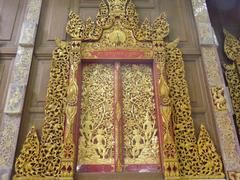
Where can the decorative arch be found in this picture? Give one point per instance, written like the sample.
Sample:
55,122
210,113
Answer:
116,33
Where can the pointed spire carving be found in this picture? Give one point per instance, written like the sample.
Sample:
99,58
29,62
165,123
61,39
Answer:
27,163
211,163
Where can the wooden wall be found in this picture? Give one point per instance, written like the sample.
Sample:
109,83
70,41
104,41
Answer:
52,24
11,15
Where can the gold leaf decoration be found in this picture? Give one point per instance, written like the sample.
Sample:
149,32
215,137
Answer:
218,98
144,32
233,80
117,29
52,130
160,28
75,26
183,124
140,138
232,47
211,163
27,162
96,126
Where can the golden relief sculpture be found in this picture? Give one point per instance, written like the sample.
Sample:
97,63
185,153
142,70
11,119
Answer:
218,98
232,70
117,28
140,131
96,143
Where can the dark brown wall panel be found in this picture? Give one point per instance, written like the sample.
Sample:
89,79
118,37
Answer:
182,25
5,68
53,21
11,15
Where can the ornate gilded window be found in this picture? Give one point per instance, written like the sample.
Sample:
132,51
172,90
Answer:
119,129
118,101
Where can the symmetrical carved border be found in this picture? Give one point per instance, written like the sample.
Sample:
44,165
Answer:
117,29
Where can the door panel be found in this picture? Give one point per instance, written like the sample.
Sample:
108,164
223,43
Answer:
141,142
11,15
96,141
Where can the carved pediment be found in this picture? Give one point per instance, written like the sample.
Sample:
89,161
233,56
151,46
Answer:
123,16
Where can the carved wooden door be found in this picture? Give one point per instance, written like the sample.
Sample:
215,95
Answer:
119,126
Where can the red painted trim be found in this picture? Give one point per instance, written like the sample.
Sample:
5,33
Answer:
95,168
116,54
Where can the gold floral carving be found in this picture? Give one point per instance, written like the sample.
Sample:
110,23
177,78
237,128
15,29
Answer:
96,129
27,162
140,137
186,144
211,164
218,98
232,50
48,159
233,80
232,47
117,28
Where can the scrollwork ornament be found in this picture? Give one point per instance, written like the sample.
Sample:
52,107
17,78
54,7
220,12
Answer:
170,155
50,146
185,139
144,32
